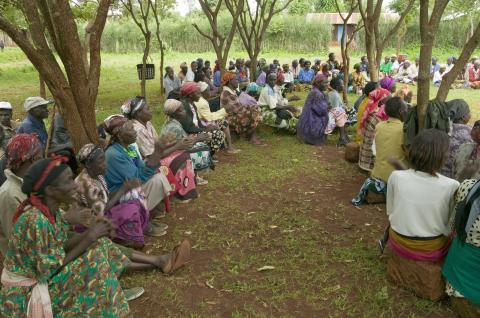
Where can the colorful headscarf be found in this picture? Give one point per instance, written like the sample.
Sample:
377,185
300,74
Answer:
20,148
373,99
320,77
39,176
387,83
114,123
171,106
189,88
88,153
227,77
131,106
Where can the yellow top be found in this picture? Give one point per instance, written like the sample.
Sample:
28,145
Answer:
388,144
205,113
360,111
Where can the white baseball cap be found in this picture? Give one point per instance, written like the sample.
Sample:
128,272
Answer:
5,105
203,86
32,102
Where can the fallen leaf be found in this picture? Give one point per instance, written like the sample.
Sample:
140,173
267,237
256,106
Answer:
250,213
188,232
309,192
211,302
207,283
265,268
212,216
273,226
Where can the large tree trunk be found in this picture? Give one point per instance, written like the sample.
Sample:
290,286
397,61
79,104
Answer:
146,52
372,60
450,77
162,62
43,93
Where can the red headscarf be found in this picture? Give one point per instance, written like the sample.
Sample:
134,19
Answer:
227,77
373,99
20,148
189,88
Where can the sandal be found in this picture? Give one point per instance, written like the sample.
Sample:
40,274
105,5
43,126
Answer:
178,257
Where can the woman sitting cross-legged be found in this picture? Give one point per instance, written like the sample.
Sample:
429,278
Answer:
191,122
199,151
122,210
125,163
467,161
242,119
462,264
316,122
174,157
419,202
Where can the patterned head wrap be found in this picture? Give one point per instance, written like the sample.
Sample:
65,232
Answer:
114,123
387,83
320,77
20,148
131,106
252,88
88,153
227,77
459,110
171,106
189,88
39,176
373,99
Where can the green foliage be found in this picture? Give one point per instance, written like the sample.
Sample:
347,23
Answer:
84,10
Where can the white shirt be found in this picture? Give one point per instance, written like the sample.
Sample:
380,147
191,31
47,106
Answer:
449,67
288,77
395,66
272,97
190,76
410,72
437,77
419,204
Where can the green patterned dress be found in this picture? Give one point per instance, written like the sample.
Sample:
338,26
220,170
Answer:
87,286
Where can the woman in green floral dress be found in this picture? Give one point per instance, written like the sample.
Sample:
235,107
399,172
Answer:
46,274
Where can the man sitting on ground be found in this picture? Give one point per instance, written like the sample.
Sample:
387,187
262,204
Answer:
406,73
190,76
170,80
386,67
438,75
6,123
306,74
474,75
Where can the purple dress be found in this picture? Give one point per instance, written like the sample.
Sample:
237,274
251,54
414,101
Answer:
314,119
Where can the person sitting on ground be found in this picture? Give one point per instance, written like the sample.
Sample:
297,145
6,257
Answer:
324,70
419,202
174,157
124,163
200,153
275,109
170,81
388,144
358,79
241,73
262,77
37,110
260,67
388,83
467,160
450,64
192,123
217,80
287,76
49,272
190,76
361,103
242,119
438,75
8,125
461,265
316,65
206,65
373,114
208,79
406,73
182,75
474,75
460,133
434,67
395,64
386,66
217,118
295,69
364,66
306,74
337,116
21,152
332,62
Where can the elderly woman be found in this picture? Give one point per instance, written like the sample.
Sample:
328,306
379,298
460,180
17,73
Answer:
46,271
217,118
361,103
336,114
242,119
125,163
388,83
467,160
174,157
373,114
192,124
460,133
199,151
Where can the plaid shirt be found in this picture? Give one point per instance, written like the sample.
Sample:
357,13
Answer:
366,157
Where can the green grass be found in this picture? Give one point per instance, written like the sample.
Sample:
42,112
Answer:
283,205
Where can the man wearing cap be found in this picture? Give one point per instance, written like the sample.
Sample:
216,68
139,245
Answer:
406,73
8,125
37,111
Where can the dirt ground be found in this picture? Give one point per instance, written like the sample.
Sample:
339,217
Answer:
295,216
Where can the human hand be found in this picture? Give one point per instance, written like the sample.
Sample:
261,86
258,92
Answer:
186,143
77,215
211,127
102,227
131,184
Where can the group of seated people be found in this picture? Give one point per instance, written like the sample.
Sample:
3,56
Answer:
431,188
404,71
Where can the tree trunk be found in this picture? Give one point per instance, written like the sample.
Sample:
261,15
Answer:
423,81
450,77
43,93
146,52
253,68
162,61
372,60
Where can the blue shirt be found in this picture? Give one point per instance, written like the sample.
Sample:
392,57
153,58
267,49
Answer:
217,81
122,167
306,76
32,125
434,68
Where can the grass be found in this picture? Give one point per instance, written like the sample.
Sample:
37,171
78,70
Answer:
285,205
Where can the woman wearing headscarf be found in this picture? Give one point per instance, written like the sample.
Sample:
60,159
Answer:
361,103
45,274
462,264
174,157
388,83
172,129
192,124
124,163
241,118
373,114
459,134
467,160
